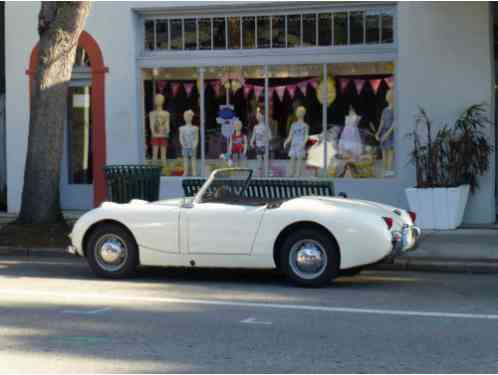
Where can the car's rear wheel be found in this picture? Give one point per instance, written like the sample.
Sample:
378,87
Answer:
309,257
112,252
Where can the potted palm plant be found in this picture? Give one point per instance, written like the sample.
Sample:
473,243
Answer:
448,164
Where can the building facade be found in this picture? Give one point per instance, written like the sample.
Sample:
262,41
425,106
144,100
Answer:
360,70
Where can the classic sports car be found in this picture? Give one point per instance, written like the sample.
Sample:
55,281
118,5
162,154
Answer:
311,239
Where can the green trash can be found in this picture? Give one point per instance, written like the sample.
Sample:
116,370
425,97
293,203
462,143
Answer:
127,182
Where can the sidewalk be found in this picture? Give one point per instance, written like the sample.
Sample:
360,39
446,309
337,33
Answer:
461,250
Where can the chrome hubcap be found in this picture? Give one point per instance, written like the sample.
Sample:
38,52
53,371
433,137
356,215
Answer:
308,259
111,252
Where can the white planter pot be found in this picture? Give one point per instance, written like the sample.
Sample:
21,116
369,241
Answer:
438,208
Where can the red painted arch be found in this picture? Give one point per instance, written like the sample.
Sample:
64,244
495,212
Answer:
98,71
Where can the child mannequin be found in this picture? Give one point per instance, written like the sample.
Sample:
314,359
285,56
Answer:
350,142
159,129
189,138
260,139
237,144
385,135
298,136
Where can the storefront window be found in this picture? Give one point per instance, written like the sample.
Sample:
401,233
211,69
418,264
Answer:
219,33
249,32
294,118
360,126
169,94
149,35
162,34
190,25
234,32
309,30
372,21
387,27
278,31
263,32
340,29
356,27
294,30
176,34
325,29
205,33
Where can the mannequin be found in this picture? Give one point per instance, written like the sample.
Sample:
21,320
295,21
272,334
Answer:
298,136
237,145
260,140
385,135
159,129
189,139
350,144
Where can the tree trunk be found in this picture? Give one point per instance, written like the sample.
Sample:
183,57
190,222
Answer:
59,26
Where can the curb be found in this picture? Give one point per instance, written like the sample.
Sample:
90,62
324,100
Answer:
440,265
33,252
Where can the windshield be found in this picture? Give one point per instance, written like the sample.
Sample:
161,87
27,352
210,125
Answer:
225,185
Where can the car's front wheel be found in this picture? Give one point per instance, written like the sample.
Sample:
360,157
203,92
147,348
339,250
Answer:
309,257
112,252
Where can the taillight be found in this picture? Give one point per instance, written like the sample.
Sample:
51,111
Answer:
413,215
389,222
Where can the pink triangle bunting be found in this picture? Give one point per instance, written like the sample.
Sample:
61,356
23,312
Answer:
160,85
292,90
175,86
216,86
280,90
359,84
389,81
343,83
375,84
258,91
313,82
303,87
247,90
188,88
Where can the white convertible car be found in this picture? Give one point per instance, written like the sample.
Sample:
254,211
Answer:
311,239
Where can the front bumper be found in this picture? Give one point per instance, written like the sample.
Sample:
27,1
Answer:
406,239
72,250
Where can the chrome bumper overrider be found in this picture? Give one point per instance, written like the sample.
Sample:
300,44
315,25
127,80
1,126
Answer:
72,250
406,239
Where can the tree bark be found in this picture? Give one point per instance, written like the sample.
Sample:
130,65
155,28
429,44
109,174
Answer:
59,25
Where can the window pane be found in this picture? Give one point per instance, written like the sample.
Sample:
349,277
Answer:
79,135
249,36
149,35
387,28
294,30
205,33
278,31
234,32
234,93
219,33
360,121
373,32
325,29
356,27
340,28
166,99
309,30
263,32
292,87
176,34
190,33
162,34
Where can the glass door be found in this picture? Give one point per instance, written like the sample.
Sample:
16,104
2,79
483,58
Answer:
76,172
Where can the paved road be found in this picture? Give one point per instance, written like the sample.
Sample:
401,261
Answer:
56,317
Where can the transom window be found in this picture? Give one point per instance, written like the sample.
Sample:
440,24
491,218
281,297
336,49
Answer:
320,29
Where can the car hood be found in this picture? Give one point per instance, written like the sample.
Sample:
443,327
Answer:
399,215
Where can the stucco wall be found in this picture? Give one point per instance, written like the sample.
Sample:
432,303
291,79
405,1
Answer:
444,64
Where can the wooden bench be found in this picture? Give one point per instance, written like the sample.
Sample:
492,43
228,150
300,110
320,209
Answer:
269,189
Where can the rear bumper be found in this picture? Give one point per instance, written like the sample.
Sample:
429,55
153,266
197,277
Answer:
405,240
72,250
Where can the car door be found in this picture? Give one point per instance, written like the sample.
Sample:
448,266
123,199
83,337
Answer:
222,228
